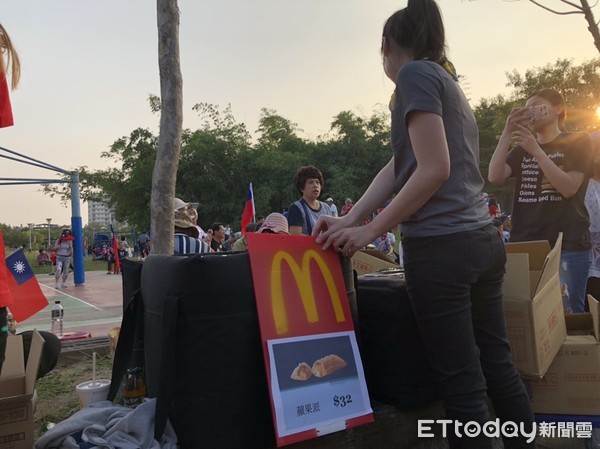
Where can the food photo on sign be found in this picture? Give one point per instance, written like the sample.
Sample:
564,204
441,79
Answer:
317,381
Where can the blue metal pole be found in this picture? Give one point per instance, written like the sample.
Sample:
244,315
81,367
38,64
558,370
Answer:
77,228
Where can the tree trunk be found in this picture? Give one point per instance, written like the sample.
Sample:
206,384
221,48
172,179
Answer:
592,26
164,175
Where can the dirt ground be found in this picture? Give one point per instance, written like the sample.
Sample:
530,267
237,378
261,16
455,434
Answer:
57,399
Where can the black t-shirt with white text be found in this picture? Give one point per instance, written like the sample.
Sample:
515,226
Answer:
540,212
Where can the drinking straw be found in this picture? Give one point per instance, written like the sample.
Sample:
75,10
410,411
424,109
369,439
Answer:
94,369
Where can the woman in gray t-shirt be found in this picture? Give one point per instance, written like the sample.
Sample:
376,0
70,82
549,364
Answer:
453,256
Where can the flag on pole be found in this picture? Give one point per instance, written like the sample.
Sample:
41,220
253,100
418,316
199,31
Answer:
115,248
249,211
27,295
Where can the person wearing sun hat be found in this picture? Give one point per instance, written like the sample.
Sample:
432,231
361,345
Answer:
190,210
275,223
186,239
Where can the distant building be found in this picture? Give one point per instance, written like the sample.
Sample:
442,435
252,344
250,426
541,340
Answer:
100,213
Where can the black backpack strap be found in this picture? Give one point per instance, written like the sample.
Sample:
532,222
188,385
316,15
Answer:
132,328
306,217
168,368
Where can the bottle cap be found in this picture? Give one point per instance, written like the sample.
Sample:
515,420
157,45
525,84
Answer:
57,301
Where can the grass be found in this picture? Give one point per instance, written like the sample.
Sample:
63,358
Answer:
57,399
88,264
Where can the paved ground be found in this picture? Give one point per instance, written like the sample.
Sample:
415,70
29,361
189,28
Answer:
95,307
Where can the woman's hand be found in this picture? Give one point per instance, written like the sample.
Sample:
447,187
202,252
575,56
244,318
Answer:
526,140
517,117
335,232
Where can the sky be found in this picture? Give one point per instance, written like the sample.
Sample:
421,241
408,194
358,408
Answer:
88,68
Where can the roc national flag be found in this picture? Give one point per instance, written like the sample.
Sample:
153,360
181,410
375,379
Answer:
5,295
28,298
249,211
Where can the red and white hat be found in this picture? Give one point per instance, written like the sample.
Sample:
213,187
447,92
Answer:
276,223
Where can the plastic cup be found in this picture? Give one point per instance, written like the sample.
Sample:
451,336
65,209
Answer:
92,391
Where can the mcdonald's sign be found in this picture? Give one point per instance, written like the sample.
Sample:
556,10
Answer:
303,309
303,278
298,286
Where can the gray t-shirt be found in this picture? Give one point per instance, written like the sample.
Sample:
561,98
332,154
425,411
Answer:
458,205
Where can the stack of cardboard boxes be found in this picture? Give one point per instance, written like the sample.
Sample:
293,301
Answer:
17,384
571,385
368,261
535,319
558,354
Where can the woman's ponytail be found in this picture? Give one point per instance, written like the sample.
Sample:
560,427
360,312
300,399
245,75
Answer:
418,27
430,38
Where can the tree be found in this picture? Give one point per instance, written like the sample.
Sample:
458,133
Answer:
212,171
583,8
279,153
273,129
171,121
354,154
580,87
126,186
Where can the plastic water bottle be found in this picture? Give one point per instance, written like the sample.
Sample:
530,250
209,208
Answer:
57,319
565,298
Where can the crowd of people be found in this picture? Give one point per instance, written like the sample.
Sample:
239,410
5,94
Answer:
297,219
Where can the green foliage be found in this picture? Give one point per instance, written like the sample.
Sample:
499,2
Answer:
16,236
57,398
220,159
580,87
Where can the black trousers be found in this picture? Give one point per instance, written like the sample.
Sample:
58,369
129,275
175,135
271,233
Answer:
454,284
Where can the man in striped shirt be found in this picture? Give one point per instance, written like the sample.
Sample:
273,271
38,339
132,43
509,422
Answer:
186,239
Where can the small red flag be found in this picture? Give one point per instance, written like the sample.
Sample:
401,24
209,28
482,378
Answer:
28,298
6,116
249,211
115,247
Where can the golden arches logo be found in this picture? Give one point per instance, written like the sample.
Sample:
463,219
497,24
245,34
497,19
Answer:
303,280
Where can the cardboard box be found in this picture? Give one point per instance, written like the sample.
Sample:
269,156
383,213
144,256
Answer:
535,319
17,385
371,260
572,384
